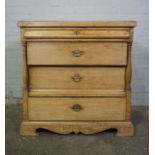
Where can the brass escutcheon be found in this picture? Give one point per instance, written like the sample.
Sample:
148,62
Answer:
76,78
77,53
76,107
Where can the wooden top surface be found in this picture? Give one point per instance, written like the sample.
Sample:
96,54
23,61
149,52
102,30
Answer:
77,23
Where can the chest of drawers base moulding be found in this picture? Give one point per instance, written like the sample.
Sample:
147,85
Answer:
77,76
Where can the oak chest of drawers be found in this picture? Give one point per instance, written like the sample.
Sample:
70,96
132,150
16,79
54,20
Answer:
77,76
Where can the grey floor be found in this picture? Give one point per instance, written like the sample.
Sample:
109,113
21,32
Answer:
49,143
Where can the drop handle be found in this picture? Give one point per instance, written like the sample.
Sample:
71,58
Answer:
76,107
76,78
77,53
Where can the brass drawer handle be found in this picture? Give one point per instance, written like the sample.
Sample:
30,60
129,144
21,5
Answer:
77,53
76,107
76,78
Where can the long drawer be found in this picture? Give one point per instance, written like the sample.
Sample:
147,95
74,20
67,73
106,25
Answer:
77,109
77,78
77,53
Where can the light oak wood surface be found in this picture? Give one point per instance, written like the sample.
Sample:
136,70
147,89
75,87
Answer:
77,92
28,128
77,76
68,53
104,109
76,33
77,24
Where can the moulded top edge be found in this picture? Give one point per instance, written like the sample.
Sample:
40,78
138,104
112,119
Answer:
77,23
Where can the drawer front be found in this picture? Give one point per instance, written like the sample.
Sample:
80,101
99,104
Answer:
74,53
77,78
77,108
114,33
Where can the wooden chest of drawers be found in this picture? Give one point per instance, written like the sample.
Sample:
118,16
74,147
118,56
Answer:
77,76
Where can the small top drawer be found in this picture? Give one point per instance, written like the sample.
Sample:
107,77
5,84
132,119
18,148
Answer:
77,53
85,33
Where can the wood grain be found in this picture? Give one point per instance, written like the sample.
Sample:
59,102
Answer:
91,109
66,90
66,127
91,78
25,83
92,53
76,33
76,93
77,23
128,82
